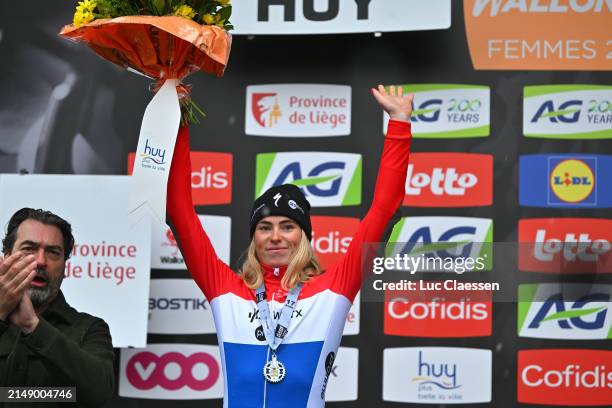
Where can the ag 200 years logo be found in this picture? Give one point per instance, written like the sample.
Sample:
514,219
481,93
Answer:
326,179
448,110
568,111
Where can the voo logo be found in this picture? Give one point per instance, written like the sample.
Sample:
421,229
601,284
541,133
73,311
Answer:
172,371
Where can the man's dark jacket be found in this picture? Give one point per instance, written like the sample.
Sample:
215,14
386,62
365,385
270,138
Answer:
67,348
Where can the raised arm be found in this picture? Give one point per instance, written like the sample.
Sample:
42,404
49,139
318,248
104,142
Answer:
210,273
388,192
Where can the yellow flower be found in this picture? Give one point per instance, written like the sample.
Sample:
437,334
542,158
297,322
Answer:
224,2
209,19
184,11
84,12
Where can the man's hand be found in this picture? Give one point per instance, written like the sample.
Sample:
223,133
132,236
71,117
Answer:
24,316
398,107
16,273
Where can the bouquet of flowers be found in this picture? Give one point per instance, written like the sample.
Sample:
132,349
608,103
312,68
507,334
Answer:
165,40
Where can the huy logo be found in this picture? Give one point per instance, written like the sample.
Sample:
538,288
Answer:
572,311
565,245
444,238
437,375
564,377
331,237
152,156
565,180
169,371
326,179
567,111
465,180
266,109
448,110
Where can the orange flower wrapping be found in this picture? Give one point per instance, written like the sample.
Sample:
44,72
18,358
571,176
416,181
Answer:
159,47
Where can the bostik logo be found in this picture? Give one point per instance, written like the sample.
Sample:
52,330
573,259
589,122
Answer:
152,156
565,377
565,245
326,179
265,108
331,237
568,311
568,111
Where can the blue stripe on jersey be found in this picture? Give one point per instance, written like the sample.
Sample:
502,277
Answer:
244,364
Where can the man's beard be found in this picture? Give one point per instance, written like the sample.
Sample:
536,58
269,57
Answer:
42,296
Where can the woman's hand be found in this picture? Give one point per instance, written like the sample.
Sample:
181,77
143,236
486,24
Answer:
398,106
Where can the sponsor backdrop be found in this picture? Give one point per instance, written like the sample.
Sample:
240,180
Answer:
512,126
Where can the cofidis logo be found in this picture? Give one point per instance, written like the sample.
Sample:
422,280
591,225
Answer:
326,179
331,237
171,371
449,180
565,245
565,311
211,177
445,238
565,180
565,377
437,375
448,110
568,111
539,34
440,314
298,110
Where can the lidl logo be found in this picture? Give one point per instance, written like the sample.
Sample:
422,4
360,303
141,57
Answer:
565,245
568,111
563,377
331,237
437,375
211,177
449,180
298,110
565,180
448,110
449,240
565,311
326,179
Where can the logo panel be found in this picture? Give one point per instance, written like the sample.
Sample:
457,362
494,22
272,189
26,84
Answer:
568,111
449,180
211,177
331,237
342,377
351,327
448,110
298,110
440,314
171,371
437,375
539,35
565,377
445,238
565,311
326,179
565,245
177,306
565,180
165,253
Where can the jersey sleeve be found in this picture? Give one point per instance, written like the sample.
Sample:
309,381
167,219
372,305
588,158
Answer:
210,273
388,195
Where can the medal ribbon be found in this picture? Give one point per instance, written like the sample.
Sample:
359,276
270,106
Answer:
274,337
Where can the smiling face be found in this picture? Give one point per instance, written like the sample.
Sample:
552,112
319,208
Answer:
276,239
46,243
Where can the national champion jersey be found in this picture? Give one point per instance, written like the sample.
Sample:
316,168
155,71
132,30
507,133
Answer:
316,327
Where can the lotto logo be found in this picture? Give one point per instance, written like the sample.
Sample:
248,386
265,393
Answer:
449,180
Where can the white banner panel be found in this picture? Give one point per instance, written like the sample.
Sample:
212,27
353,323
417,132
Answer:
171,372
298,110
342,385
351,326
338,16
178,306
108,272
165,253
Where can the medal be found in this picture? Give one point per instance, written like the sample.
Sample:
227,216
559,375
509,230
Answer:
274,371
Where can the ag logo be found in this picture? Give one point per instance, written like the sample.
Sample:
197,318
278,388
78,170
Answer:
569,311
326,179
568,112
265,109
572,181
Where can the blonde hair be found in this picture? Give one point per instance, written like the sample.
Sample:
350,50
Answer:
303,266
